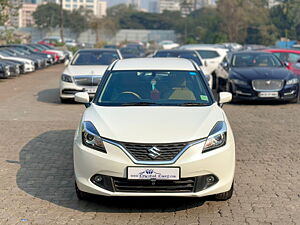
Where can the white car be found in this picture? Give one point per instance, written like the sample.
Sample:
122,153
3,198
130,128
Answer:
212,55
85,71
28,64
154,129
167,44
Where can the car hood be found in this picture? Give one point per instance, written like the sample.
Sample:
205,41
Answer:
253,73
85,70
154,124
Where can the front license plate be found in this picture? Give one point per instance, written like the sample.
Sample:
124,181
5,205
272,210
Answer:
268,94
153,173
91,90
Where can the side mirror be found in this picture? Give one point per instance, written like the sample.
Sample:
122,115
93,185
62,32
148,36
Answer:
224,97
82,97
225,65
205,63
67,62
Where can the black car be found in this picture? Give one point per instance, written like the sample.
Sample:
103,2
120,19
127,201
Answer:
186,54
252,75
4,70
128,52
13,68
30,51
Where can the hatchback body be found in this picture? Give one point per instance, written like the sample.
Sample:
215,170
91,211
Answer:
154,129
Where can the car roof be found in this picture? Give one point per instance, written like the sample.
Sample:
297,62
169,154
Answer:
283,50
98,50
154,64
251,52
178,50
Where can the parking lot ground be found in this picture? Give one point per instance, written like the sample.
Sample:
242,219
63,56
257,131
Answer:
36,168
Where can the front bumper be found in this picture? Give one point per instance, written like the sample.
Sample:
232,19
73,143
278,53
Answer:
68,90
192,163
29,68
288,92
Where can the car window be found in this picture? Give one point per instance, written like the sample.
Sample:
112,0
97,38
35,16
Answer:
157,87
208,54
293,57
94,58
255,60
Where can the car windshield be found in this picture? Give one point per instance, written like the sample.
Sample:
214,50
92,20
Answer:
208,54
94,58
186,55
163,88
255,60
129,51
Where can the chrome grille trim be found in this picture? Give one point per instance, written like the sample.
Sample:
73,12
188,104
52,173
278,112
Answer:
167,162
87,80
267,85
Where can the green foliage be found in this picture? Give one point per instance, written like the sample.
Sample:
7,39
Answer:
48,16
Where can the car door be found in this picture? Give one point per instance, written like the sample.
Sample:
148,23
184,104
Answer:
223,69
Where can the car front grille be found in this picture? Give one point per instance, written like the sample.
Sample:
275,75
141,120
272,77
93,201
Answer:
267,85
158,186
142,152
88,80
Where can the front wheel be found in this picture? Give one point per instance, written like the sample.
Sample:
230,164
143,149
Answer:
225,195
295,100
81,195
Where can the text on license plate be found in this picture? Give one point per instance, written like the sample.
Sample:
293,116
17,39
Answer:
153,173
91,90
268,94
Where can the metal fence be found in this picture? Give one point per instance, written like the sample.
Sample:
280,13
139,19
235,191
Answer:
89,36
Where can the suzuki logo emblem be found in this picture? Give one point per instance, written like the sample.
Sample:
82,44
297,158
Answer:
268,82
154,152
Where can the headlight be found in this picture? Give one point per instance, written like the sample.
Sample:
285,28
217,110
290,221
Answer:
217,137
239,82
292,81
91,137
66,78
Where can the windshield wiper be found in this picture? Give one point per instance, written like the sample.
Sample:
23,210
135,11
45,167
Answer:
193,104
139,103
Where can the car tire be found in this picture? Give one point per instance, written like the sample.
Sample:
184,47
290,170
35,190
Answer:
225,195
81,195
295,100
65,100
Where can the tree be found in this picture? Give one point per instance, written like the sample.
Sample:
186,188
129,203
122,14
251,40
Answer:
47,15
4,7
286,18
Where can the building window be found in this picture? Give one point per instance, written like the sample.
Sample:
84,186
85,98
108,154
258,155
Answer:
67,6
75,6
90,6
89,0
67,0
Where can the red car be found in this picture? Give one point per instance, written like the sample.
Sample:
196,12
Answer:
291,56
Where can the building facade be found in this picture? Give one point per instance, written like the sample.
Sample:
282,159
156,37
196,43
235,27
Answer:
98,7
25,15
170,5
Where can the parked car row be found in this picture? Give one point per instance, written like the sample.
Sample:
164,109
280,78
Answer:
16,59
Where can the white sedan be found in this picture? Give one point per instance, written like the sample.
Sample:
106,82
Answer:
28,64
154,129
85,71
